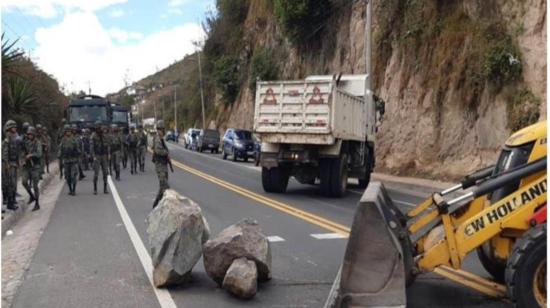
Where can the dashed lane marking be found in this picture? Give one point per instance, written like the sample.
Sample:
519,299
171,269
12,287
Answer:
275,238
327,236
163,296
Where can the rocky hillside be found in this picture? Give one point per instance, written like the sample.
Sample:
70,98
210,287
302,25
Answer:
457,76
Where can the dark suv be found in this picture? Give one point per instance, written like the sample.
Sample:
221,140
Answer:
238,143
209,139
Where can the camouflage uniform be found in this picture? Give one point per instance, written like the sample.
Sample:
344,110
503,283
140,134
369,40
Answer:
46,142
32,151
116,147
99,145
160,159
60,134
69,153
132,144
124,150
10,162
142,148
85,138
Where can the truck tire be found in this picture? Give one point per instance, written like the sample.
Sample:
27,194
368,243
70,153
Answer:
526,269
333,174
364,182
275,180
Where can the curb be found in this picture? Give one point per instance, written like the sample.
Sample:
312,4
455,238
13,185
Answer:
10,218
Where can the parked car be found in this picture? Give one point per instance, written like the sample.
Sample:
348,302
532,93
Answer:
170,136
189,136
238,143
209,139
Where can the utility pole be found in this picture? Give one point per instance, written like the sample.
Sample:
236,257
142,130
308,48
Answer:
155,108
175,110
202,94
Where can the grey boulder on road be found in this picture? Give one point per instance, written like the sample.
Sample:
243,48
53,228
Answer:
177,231
242,240
241,278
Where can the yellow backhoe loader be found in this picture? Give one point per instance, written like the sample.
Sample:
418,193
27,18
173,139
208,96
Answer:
499,212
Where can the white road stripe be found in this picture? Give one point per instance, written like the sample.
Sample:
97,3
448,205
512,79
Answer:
163,296
275,238
326,236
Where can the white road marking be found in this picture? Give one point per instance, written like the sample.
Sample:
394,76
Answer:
275,238
326,236
163,296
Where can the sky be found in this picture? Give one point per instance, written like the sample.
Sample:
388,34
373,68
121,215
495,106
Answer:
104,43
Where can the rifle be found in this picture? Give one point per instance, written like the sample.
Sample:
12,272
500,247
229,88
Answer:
167,156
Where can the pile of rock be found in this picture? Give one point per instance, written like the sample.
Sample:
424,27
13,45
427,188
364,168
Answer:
238,258
177,231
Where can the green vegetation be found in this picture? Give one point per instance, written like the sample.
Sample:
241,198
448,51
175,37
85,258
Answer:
226,75
301,19
523,109
502,64
262,66
28,93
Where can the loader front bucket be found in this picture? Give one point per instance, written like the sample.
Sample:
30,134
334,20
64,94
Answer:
378,255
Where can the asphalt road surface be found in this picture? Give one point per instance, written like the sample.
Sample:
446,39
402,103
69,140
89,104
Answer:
92,253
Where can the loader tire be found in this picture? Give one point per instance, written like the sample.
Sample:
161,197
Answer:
275,180
494,267
526,269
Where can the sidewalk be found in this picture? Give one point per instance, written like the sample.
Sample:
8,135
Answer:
10,218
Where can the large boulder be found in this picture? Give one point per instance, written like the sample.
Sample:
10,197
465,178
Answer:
177,231
241,278
244,239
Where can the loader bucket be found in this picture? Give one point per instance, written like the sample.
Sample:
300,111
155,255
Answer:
378,255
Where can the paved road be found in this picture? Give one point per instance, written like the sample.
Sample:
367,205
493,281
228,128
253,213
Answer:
86,257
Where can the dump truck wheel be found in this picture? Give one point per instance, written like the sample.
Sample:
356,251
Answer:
275,180
339,176
494,267
526,269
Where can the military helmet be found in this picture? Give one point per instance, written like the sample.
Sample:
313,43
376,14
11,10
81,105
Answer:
38,126
10,124
26,125
66,127
114,127
160,124
31,130
63,120
74,127
98,124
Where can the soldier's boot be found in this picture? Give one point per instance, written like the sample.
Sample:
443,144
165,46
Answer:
95,187
31,195
118,175
105,187
11,204
36,206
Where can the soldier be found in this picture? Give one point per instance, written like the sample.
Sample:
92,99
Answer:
32,149
125,132
160,159
100,154
78,137
23,137
69,153
86,149
46,146
116,147
132,143
10,162
142,147
60,134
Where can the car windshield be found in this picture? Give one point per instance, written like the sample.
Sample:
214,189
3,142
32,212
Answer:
88,113
120,117
243,134
210,133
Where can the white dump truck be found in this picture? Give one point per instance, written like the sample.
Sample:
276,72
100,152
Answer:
322,128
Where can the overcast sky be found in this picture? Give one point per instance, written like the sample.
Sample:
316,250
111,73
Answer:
102,41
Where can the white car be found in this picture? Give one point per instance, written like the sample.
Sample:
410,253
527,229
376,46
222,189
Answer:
187,136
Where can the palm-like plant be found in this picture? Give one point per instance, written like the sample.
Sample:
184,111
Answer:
10,55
